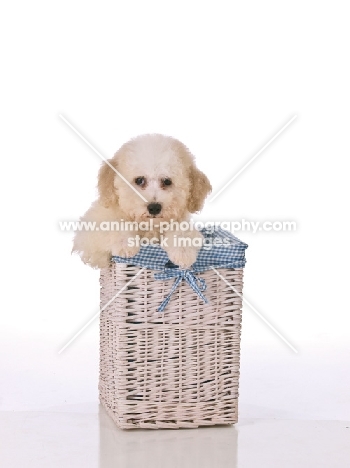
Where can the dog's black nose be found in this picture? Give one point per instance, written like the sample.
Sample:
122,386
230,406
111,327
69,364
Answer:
154,208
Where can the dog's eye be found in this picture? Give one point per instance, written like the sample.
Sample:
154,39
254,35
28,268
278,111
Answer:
140,181
166,182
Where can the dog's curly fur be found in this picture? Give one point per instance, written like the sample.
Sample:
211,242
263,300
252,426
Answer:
154,157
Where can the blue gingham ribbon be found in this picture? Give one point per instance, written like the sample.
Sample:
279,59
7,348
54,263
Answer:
226,251
197,284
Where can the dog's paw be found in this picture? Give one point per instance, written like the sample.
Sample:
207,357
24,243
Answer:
184,257
122,249
95,259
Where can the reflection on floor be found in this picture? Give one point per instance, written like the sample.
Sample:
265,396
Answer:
90,439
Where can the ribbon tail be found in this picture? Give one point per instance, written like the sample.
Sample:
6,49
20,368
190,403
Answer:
198,291
167,299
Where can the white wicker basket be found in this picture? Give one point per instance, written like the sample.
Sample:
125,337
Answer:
178,368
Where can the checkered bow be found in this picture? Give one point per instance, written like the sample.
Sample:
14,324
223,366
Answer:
221,249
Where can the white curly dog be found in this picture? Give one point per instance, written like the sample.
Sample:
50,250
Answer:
163,171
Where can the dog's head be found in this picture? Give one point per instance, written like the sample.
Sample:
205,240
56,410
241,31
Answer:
162,170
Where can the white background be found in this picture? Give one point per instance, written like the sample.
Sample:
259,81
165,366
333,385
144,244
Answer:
222,77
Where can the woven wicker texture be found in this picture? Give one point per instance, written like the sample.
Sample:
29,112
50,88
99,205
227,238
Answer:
179,368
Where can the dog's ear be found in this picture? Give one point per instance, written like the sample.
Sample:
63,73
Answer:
106,188
199,188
